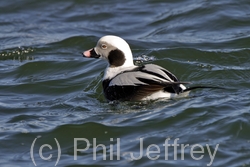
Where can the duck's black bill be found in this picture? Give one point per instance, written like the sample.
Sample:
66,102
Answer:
90,54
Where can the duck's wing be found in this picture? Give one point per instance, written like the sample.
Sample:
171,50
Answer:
141,82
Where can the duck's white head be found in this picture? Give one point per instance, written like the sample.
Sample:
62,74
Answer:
113,49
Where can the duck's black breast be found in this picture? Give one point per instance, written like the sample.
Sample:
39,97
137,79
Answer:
122,93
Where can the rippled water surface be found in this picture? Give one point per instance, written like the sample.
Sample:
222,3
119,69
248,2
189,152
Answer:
51,97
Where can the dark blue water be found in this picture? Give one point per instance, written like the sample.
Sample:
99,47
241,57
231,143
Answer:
52,108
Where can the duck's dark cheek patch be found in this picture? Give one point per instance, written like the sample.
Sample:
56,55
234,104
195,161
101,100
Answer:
116,58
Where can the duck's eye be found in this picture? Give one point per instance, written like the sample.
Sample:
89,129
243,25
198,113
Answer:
104,46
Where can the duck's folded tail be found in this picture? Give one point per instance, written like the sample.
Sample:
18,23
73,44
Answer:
202,87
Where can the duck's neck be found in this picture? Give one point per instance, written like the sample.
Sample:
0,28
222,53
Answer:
111,72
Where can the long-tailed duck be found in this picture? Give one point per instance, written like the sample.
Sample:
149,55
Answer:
127,82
